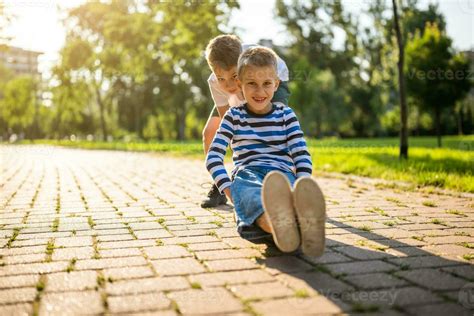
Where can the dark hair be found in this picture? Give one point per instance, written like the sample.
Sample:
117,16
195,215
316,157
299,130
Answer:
256,56
223,51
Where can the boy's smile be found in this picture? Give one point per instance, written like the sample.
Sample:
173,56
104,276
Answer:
258,85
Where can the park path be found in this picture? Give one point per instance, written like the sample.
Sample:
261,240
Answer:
103,232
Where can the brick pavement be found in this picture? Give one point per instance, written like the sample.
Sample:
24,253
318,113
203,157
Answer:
101,232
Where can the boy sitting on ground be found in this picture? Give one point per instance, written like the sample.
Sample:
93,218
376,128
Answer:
270,156
222,53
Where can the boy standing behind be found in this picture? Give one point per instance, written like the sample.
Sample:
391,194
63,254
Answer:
222,54
270,155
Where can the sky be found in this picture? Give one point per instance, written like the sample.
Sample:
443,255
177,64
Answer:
38,26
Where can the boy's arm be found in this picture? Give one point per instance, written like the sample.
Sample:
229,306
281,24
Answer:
297,145
216,154
222,110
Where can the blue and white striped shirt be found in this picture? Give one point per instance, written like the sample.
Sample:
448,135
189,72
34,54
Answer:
272,140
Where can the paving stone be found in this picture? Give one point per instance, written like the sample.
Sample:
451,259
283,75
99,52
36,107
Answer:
73,241
375,281
464,271
261,291
432,279
19,295
327,257
227,254
18,281
145,285
33,268
70,253
28,258
131,191
17,309
71,281
209,246
300,306
128,273
285,264
392,297
359,267
114,253
152,234
424,262
138,302
232,277
206,301
231,264
362,253
166,252
110,263
315,283
71,303
442,309
181,266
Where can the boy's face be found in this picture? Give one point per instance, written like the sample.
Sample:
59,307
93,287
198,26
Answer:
227,79
258,85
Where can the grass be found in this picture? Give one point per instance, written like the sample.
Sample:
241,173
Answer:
429,203
449,167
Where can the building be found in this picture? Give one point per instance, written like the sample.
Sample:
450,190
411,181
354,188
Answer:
20,61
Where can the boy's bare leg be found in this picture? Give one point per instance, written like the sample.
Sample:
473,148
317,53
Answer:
214,198
263,223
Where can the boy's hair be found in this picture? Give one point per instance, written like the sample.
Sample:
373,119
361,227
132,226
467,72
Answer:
223,51
256,56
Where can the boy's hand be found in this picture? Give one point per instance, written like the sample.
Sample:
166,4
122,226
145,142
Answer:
228,194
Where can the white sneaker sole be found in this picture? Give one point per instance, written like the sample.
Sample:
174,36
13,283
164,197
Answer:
310,209
277,201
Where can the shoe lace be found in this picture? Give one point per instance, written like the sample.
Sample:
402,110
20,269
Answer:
211,186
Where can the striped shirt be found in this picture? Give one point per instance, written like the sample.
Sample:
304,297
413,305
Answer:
273,140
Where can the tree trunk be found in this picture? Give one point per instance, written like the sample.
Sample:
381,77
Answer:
180,125
460,120
469,121
102,115
401,83
438,124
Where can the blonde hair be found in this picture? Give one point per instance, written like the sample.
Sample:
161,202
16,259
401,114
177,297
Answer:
223,51
256,56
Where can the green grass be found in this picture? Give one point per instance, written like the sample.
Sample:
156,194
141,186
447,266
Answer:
449,167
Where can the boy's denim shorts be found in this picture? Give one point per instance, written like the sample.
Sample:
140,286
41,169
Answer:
246,190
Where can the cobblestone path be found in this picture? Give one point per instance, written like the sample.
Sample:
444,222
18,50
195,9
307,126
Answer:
103,232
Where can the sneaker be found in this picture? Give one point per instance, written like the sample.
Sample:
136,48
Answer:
278,205
214,198
253,233
311,213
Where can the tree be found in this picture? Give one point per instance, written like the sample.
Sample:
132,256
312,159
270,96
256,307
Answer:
401,82
436,77
142,59
19,104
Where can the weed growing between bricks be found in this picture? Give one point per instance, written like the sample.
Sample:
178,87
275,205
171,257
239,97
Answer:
40,286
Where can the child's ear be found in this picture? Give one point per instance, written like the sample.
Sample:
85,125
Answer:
277,84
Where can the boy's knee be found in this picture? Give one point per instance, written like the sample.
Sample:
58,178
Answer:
208,133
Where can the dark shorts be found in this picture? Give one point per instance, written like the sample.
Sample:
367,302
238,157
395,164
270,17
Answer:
281,95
